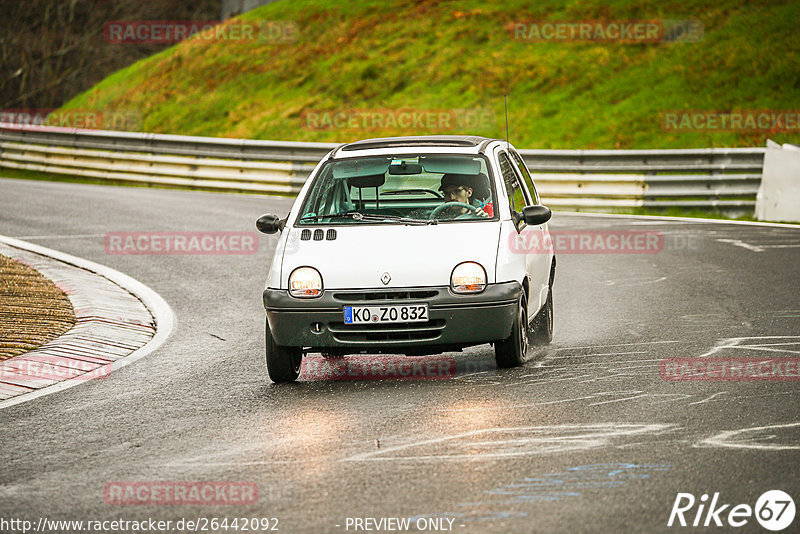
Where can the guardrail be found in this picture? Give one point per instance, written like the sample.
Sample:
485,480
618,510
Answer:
720,178
203,162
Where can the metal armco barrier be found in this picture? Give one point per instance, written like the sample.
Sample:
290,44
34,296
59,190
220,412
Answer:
720,178
723,178
202,162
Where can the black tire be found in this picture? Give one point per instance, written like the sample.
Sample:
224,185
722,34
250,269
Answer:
541,327
513,352
283,363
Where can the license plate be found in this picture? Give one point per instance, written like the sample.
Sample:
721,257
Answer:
408,313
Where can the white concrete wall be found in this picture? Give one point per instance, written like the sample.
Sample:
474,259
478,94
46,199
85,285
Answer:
779,195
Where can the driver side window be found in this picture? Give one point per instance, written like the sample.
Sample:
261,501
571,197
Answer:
526,177
516,196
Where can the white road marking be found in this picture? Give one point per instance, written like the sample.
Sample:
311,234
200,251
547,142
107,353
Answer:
708,399
737,343
637,443
534,440
607,377
618,345
758,248
676,396
634,282
549,380
592,396
738,439
563,400
742,244
572,365
757,347
620,400
595,355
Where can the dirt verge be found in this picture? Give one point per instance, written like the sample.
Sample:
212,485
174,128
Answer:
33,310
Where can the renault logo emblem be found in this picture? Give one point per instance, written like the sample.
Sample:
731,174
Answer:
385,278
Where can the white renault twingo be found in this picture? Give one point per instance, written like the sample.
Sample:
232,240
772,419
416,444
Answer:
410,245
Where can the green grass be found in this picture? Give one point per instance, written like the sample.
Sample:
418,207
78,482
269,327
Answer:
420,55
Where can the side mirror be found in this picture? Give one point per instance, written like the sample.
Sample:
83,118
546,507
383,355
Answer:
536,214
270,223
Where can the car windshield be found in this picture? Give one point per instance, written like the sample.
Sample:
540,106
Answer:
401,189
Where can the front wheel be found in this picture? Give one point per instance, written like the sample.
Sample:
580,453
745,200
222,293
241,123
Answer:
283,363
513,352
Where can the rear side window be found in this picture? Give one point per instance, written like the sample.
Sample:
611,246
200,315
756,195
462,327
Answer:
526,176
516,196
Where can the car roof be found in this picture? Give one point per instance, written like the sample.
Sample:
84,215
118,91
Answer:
455,143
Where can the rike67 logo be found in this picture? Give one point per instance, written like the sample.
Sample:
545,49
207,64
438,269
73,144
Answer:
774,510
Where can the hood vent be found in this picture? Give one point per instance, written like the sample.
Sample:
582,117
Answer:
319,235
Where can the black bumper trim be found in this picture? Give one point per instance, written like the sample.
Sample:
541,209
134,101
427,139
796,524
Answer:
455,320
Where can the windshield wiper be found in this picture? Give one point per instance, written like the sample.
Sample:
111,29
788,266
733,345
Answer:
411,192
407,220
347,214
358,216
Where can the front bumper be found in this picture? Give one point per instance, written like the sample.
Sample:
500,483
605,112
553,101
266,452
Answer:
455,321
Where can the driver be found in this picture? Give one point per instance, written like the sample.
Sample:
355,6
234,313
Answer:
459,188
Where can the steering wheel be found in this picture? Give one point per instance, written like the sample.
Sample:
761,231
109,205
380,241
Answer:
450,205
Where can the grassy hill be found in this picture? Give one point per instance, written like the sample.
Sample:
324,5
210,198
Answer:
440,56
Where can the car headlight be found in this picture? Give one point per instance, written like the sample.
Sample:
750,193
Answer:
468,277
305,282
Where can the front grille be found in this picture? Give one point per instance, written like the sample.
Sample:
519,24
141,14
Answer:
362,296
397,333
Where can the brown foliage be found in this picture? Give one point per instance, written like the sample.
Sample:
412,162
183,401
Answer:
52,50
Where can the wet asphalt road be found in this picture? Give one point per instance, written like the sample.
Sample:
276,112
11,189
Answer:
587,437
